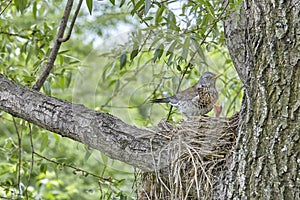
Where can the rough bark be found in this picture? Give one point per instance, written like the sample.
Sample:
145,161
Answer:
263,39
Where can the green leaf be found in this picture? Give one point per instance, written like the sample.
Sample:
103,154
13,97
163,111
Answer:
74,62
43,168
46,27
112,1
87,155
137,7
185,48
108,70
204,22
122,3
28,56
117,84
123,60
209,7
157,38
104,159
89,4
198,48
45,141
47,88
170,58
134,53
61,60
158,52
57,137
8,48
195,8
69,79
64,51
147,18
28,79
147,6
171,22
172,47
112,82
158,15
34,10
20,5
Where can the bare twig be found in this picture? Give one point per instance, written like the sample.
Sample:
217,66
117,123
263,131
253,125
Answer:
5,7
2,197
14,34
85,173
234,100
55,49
19,154
32,160
72,23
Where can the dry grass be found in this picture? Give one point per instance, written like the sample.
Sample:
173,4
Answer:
199,150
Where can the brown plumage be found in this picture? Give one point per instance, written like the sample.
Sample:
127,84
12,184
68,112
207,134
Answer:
196,100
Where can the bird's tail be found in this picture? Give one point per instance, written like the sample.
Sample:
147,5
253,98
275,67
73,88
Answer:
162,100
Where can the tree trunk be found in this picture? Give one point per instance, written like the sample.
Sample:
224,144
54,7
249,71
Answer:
264,42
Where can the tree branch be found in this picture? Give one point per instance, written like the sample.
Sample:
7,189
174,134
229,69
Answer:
72,23
14,34
149,150
5,7
101,131
54,51
76,169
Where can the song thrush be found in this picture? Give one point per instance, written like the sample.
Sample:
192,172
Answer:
196,100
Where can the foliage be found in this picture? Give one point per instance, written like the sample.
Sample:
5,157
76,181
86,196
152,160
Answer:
171,43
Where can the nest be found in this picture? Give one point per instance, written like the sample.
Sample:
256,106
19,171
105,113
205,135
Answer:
199,150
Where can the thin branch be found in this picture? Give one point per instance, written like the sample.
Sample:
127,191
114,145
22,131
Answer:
32,160
234,100
84,173
14,34
2,197
72,23
5,7
19,155
49,65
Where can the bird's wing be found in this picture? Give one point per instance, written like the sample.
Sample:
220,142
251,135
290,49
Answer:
187,94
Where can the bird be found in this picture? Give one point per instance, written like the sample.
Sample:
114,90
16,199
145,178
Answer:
197,100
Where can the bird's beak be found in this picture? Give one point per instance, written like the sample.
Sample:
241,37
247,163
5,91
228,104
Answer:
217,76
